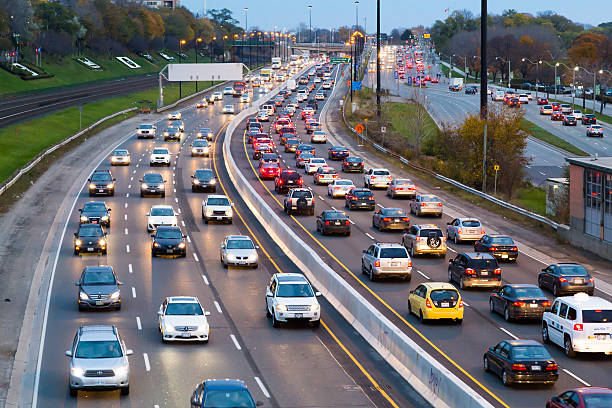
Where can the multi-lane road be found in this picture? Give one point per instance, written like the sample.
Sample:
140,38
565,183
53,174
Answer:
289,367
459,348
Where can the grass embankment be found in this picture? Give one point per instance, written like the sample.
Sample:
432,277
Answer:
546,136
22,142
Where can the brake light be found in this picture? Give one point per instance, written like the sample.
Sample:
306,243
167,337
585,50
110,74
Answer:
493,249
552,367
428,303
377,264
578,327
469,271
410,264
519,367
422,204
371,198
591,280
405,219
460,303
439,204
546,303
562,280
459,230
386,219
514,249
519,304
347,222
326,222
497,271
482,231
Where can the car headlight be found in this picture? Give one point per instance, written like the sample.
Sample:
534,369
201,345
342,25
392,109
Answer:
113,158
84,218
92,185
213,181
105,218
229,212
209,211
282,308
169,116
161,186
83,295
102,242
77,371
115,295
196,181
166,133
121,371
314,308
181,245
78,242
155,244
110,185
194,150
144,186
231,257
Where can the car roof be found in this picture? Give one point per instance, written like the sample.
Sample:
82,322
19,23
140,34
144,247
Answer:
224,385
593,390
522,342
244,237
478,255
290,277
582,301
98,333
439,285
183,299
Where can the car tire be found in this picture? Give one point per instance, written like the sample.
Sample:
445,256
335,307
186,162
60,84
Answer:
316,323
411,251
371,275
461,284
205,220
409,307
491,306
81,308
540,283
118,307
363,268
275,323
507,314
505,379
193,190
459,321
545,336
348,234
141,195
73,391
456,240
568,348
450,276
125,390
421,318
555,290
485,365
268,314
163,195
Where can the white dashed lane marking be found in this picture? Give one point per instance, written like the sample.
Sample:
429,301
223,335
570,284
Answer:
217,306
133,292
263,388
127,248
146,361
196,257
205,279
369,236
508,333
138,323
235,342
568,372
130,268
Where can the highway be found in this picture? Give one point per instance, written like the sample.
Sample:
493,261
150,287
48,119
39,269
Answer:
459,347
293,366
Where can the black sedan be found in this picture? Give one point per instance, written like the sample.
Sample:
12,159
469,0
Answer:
152,184
168,240
352,164
291,144
101,182
205,133
501,247
566,278
222,393
90,238
360,198
333,222
569,120
521,362
99,289
588,119
203,180
337,153
95,212
390,219
519,301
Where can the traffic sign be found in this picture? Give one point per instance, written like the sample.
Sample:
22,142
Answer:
496,167
356,85
340,60
426,35
359,128
383,129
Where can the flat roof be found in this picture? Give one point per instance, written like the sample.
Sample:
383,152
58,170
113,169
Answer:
600,163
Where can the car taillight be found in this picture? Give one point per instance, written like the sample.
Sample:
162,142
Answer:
562,280
439,204
347,222
519,367
578,327
377,264
428,303
386,219
405,219
460,303
422,204
482,231
469,271
591,280
519,304
459,230
552,367
493,249
497,271
371,198
326,222
546,303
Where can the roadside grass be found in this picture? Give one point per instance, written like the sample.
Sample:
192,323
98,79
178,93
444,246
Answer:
550,138
397,112
22,142
532,199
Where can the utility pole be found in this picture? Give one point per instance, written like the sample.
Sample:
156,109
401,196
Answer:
378,60
483,87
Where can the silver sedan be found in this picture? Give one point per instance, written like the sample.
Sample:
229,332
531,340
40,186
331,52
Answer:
238,250
464,229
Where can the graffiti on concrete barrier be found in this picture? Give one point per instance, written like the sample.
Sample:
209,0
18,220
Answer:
434,381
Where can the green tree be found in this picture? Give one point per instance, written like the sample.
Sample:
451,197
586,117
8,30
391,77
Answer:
406,35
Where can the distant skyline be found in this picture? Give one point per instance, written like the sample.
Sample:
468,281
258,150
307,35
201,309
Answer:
397,13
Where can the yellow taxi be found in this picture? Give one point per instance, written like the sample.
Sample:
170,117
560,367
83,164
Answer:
436,300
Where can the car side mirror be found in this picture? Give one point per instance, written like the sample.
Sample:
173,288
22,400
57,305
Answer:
555,400
76,235
106,234
80,210
119,283
491,348
69,353
206,313
223,246
363,251
77,283
88,179
256,246
109,209
129,352
148,214
448,223
268,293
184,236
114,179
232,204
159,312
317,294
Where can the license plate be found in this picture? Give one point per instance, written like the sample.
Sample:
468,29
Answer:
577,280
504,256
298,315
536,368
100,190
395,264
169,251
444,304
94,221
363,203
484,273
534,305
337,223
396,220
186,334
90,249
99,303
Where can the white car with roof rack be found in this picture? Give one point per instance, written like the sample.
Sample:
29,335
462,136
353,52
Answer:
290,297
182,318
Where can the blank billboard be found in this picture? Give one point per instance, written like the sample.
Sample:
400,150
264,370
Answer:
230,71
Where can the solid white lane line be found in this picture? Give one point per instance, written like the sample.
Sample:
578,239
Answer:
138,323
140,159
235,342
127,248
422,274
133,292
179,210
188,239
381,206
146,360
126,231
218,306
205,279
369,236
334,208
568,372
195,257
262,386
465,304
182,223
508,333
130,268
125,217
451,249
351,221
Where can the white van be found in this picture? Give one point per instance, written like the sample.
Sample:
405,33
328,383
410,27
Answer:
579,323
269,109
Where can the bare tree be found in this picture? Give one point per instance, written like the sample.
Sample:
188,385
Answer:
418,121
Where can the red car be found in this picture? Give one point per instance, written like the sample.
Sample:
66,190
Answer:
542,101
556,106
434,80
269,170
514,103
585,397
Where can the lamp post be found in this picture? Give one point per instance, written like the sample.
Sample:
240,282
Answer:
181,43
601,105
356,15
537,64
450,68
310,17
246,31
555,79
196,42
594,73
508,61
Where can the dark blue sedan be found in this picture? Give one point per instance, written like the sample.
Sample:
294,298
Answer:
222,394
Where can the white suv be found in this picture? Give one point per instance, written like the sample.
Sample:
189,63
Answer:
313,164
377,178
182,318
160,155
161,215
290,297
579,323
218,208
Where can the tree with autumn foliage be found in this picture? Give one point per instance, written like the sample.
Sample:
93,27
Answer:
591,50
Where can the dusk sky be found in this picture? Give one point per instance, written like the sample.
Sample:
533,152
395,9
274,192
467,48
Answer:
394,13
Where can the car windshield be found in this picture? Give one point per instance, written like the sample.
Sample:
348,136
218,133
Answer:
339,148
205,130
428,232
291,141
305,156
146,126
530,353
430,199
363,194
335,215
291,175
403,181
100,177
160,151
218,201
98,349
202,174
471,223
353,159
94,206
169,234
597,400
574,270
597,316
393,212
438,295
189,308
120,153
501,241
98,277
228,399
483,264
393,253
380,173
316,161
91,231
161,211
300,194
153,178
294,290
240,244
172,130
200,143
528,293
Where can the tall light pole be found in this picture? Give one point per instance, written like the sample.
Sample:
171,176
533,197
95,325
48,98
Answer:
483,87
601,95
537,64
310,18
181,43
197,41
594,73
378,111
356,2
508,61
555,79
246,32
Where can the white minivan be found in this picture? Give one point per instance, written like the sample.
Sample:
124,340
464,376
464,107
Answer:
579,323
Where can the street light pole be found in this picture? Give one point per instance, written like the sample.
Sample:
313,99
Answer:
246,31
378,110
310,17
181,42
197,40
356,15
483,87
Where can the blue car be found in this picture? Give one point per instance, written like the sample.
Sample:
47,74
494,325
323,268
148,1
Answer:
222,394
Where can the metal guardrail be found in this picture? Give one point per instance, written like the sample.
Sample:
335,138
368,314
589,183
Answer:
53,148
455,183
